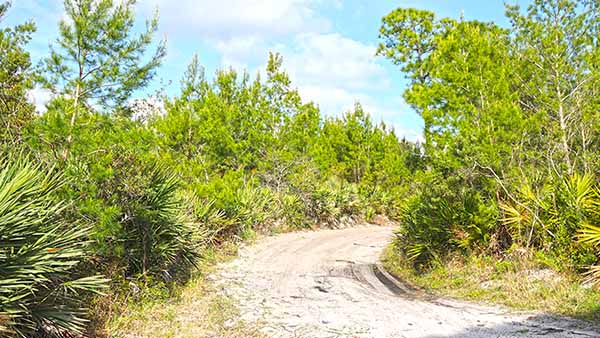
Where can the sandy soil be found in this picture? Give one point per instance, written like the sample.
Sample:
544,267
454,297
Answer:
326,284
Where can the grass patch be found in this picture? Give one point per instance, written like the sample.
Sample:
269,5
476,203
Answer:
193,310
520,280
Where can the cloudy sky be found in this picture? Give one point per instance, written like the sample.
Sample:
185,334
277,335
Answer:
328,46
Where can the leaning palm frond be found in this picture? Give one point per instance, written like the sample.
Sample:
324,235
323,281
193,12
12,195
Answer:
589,234
40,293
514,215
593,275
159,239
581,190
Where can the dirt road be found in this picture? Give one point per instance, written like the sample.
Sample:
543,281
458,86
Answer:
326,284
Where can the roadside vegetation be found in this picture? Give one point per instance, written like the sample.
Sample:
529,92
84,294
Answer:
108,204
511,188
516,280
196,309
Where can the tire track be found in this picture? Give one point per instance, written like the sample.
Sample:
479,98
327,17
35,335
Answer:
329,284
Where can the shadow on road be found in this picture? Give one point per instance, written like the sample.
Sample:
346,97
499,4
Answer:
535,326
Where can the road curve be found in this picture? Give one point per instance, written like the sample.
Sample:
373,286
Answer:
326,284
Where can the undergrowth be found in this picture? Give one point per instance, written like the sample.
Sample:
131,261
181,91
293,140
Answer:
520,280
191,310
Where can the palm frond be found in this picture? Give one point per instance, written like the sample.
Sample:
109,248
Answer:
590,234
39,251
514,215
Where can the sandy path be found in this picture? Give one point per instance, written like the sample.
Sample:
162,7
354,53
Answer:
321,284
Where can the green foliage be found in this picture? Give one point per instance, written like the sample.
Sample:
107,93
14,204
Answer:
549,216
140,221
99,62
408,37
157,238
16,79
555,45
253,208
40,255
97,59
248,146
224,159
333,199
511,130
442,218
292,211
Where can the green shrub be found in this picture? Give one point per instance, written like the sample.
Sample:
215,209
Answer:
369,213
158,238
253,207
210,220
440,219
235,205
292,210
222,189
333,199
42,289
547,214
140,221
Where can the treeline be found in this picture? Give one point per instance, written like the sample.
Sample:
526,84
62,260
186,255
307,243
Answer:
102,194
512,132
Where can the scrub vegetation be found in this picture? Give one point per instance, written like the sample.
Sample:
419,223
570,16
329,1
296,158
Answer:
111,202
511,187
107,201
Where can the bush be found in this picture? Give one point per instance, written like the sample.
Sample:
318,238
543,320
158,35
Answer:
292,210
210,220
41,288
252,208
334,199
548,213
441,218
158,238
139,219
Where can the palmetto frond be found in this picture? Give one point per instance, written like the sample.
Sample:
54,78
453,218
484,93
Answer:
38,251
514,215
159,239
581,190
590,234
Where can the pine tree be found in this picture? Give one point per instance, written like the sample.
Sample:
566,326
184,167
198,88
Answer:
16,79
99,61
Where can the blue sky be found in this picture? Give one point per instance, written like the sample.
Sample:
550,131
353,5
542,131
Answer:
328,46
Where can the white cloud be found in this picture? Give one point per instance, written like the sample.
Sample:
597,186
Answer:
413,135
39,97
332,70
241,52
335,60
331,100
328,68
336,72
225,19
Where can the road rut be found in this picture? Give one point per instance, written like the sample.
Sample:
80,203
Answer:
327,284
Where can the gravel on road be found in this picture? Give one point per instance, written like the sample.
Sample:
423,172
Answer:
327,284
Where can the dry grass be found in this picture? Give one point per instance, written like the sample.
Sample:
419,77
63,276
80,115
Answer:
197,310
519,281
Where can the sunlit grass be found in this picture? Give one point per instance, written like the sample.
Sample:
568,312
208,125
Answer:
195,310
517,281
